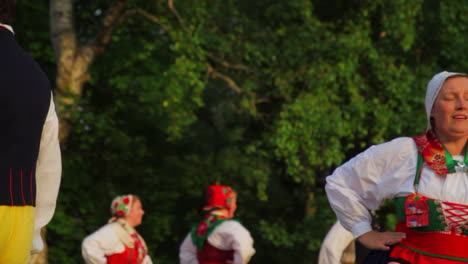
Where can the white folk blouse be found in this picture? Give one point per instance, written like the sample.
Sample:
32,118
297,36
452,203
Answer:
385,171
104,242
229,235
48,176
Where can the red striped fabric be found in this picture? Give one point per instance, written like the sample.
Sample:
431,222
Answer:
446,247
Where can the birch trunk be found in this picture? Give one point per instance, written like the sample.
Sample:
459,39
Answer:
73,63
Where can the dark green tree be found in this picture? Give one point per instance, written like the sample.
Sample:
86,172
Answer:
266,96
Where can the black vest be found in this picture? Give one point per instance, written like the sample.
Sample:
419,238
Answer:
24,102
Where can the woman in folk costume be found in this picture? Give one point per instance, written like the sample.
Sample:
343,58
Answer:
30,161
427,176
218,238
118,241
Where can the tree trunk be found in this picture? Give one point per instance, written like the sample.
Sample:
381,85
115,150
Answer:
73,59
73,62
309,209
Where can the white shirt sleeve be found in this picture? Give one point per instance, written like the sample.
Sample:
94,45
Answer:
103,242
48,176
334,244
188,251
147,260
231,235
361,184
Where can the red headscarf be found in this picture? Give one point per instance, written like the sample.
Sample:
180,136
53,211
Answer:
218,197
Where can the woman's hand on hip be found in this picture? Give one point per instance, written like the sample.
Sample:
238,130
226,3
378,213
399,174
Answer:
380,240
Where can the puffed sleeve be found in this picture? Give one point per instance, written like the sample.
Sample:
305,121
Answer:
188,251
100,244
147,260
361,184
232,235
48,176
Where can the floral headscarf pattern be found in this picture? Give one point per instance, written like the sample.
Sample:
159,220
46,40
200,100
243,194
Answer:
218,196
120,206
434,153
200,232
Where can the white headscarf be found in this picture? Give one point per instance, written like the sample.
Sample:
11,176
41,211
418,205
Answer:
433,88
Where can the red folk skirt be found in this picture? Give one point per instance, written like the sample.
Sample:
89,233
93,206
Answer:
211,255
437,247
128,256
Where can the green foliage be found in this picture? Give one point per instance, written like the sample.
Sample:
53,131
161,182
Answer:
453,31
266,96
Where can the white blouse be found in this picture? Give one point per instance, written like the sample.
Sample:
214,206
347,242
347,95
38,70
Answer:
229,235
385,171
104,242
48,176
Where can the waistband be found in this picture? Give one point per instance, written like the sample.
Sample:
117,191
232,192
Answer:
17,187
442,244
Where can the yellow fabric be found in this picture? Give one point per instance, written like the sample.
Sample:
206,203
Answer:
16,234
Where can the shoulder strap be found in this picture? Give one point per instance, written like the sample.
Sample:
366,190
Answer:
418,175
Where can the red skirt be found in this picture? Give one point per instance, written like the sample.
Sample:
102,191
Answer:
430,247
128,256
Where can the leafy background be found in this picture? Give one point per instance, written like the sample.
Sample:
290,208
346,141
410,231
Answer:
267,96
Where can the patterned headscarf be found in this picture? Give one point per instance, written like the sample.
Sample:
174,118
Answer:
433,89
120,206
218,197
